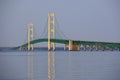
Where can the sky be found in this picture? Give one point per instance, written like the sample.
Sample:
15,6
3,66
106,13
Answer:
90,20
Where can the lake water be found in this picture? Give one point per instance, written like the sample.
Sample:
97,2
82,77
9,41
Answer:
60,65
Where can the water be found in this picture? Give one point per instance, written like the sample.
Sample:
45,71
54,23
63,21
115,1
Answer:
60,65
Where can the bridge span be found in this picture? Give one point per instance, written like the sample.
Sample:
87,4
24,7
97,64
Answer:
73,45
76,44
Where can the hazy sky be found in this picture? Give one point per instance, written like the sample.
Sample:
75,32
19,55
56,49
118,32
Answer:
96,20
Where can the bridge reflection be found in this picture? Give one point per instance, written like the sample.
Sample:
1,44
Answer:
30,66
51,65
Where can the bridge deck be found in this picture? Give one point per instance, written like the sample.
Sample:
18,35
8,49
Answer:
63,41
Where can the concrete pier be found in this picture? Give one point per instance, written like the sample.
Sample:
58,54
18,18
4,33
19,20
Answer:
91,48
111,49
84,47
96,48
22,48
65,46
103,48
73,47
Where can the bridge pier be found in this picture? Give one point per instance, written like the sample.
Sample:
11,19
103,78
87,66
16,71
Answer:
103,48
78,47
91,47
51,45
96,47
84,47
73,47
31,47
22,48
111,49
65,46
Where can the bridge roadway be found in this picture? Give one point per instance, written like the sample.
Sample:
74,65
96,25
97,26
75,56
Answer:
76,42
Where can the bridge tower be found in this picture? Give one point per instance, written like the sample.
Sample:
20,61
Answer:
30,36
51,30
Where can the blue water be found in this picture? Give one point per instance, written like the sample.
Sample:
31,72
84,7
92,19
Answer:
60,65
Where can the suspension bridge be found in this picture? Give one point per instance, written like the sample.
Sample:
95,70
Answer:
54,35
